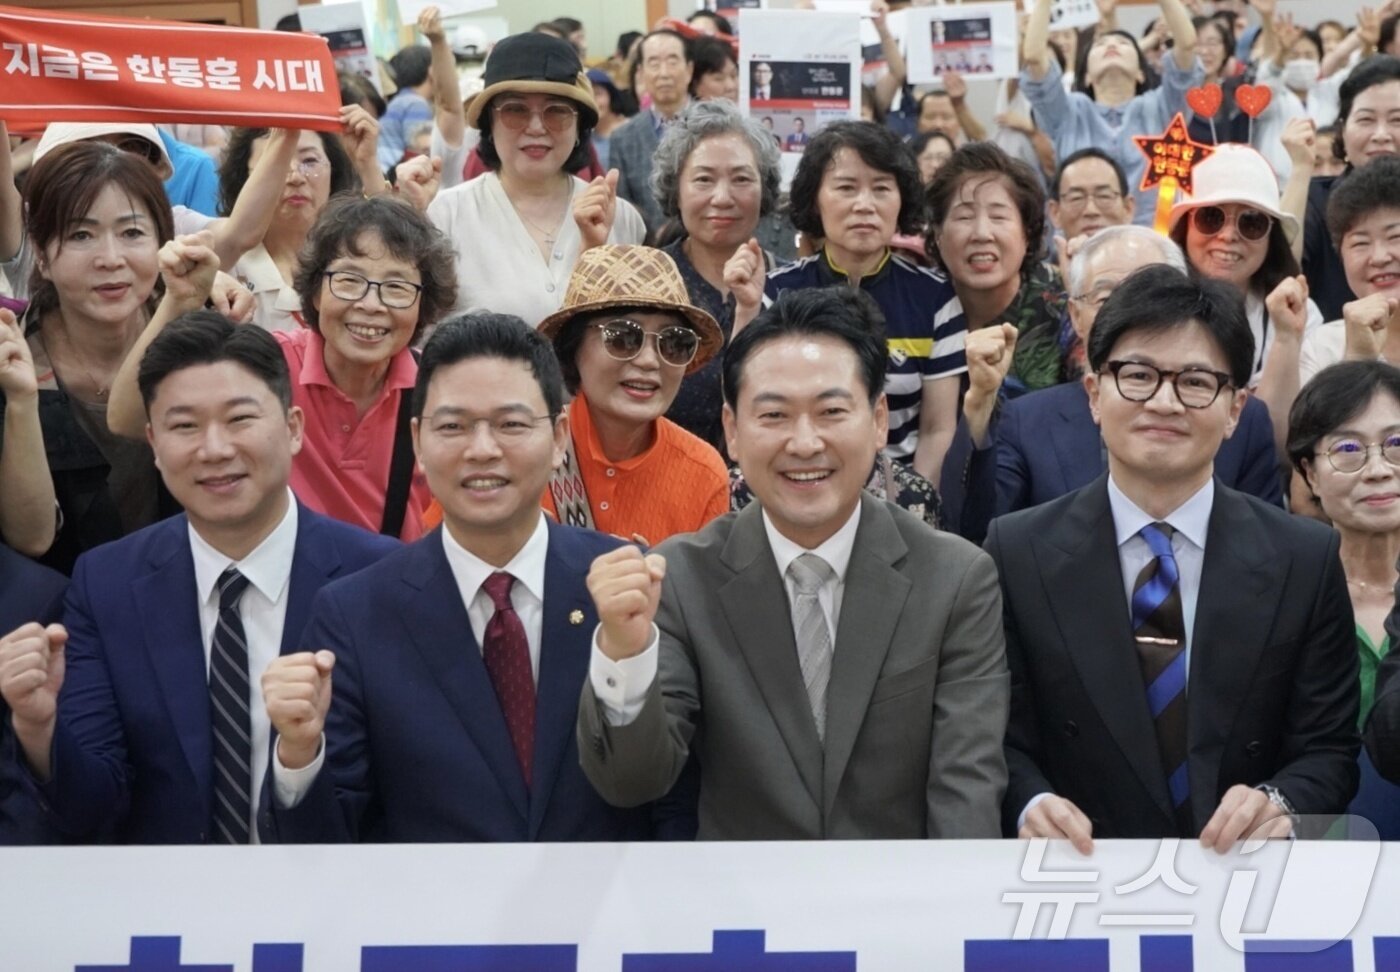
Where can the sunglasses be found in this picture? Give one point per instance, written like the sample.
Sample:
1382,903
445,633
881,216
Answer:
1251,224
136,145
623,341
516,115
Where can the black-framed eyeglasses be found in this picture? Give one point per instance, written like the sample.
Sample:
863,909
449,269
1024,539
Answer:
1251,223
1195,387
349,285
516,115
623,341
1077,198
1351,455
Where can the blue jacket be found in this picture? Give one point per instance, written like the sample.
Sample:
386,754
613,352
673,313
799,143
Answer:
133,753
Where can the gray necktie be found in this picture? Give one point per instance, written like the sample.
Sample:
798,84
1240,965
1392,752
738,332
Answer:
809,572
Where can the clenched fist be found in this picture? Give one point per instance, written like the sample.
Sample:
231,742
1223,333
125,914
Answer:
595,209
744,276
626,588
297,693
31,672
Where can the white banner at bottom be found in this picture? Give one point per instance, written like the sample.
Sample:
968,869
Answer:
976,906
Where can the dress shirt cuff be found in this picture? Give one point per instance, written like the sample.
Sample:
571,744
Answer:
291,785
622,686
1030,805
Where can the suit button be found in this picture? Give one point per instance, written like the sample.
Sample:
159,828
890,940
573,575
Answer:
1253,747
1071,729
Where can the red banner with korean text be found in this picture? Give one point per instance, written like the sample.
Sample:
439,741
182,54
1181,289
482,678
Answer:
66,67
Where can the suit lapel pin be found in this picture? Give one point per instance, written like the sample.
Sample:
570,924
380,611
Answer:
576,616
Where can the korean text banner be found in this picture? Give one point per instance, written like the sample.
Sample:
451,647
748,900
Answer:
835,906
62,67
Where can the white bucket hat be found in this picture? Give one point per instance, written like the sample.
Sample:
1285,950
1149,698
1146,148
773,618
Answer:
1235,174
62,133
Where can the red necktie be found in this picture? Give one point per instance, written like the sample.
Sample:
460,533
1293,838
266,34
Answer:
507,657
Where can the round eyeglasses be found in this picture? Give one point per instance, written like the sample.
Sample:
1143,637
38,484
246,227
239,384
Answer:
1195,387
1251,224
348,285
623,340
516,115
1351,455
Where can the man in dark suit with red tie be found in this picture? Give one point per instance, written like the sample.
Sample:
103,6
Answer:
1182,656
437,693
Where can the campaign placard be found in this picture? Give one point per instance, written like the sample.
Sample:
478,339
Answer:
977,40
799,70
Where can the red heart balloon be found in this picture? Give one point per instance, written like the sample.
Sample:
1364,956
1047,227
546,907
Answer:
1253,98
1205,100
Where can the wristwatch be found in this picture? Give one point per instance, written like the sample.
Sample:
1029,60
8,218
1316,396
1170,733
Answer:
1277,798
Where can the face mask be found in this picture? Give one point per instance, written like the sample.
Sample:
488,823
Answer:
1301,74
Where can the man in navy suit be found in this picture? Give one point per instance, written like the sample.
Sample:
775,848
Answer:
1032,449
116,716
437,696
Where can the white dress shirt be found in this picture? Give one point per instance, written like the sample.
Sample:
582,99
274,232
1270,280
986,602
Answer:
526,594
1190,520
622,686
470,572
263,608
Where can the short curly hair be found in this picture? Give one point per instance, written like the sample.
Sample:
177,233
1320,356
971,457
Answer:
709,119
405,232
983,160
879,148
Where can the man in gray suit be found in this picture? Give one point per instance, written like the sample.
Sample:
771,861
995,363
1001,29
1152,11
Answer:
665,70
721,642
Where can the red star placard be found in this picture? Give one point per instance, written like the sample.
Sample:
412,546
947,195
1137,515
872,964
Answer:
1173,154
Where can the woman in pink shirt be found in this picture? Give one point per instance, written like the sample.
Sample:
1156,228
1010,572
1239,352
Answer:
373,274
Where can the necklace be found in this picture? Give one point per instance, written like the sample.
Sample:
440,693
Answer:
101,389
547,237
1370,586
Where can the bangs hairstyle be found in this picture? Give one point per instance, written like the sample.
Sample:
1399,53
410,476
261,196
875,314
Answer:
1368,189
579,159
704,120
488,335
981,162
1279,261
709,57
879,148
1335,396
1374,70
342,230
840,312
62,188
1159,298
233,171
1081,65
206,337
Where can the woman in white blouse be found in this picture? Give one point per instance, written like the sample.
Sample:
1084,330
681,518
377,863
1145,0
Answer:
514,228
1363,216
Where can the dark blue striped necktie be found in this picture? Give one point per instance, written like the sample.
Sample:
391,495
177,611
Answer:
232,721
1161,642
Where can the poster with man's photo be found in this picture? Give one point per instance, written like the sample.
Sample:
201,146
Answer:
799,70
977,40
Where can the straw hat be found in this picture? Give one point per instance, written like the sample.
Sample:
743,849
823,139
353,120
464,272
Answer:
1235,174
535,63
632,276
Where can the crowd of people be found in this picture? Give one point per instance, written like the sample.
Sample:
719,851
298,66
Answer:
540,465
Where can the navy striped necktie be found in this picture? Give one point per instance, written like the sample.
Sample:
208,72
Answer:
232,719
1160,633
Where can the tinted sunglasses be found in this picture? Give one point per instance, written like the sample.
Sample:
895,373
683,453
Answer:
1250,223
623,340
